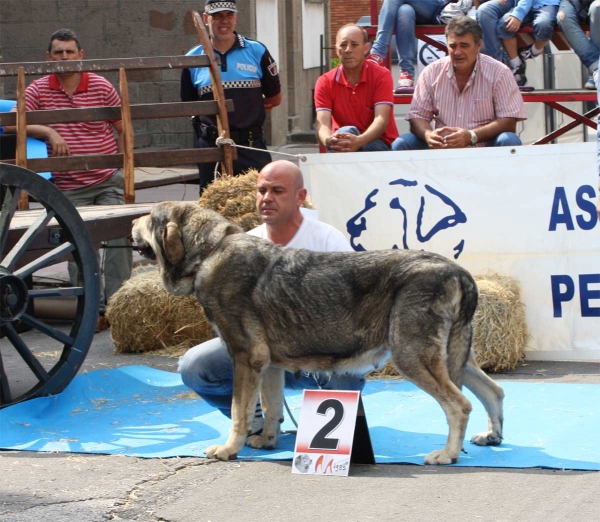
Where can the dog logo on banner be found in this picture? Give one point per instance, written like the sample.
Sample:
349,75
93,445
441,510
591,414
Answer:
409,221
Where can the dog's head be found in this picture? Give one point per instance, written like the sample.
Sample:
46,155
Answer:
180,236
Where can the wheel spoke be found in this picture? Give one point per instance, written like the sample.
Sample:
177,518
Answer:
40,223
47,329
26,354
72,291
9,207
47,259
5,397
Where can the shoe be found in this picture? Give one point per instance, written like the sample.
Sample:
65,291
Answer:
102,324
405,83
590,83
519,74
525,53
258,423
376,59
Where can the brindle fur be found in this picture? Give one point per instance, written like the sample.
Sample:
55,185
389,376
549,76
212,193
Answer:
278,308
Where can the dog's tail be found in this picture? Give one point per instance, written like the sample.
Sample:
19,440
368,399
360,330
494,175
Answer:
461,332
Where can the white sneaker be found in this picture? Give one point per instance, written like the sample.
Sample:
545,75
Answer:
258,423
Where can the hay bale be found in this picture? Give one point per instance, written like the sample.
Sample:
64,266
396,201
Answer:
499,326
145,317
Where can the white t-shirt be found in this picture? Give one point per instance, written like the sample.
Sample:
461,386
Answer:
312,235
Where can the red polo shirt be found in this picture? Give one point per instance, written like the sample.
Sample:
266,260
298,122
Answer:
355,104
96,137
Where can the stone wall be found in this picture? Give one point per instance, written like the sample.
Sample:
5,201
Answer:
114,29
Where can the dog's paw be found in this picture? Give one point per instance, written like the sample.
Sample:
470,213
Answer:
262,441
487,438
440,457
219,452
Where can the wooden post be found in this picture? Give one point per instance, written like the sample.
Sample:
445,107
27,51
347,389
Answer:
218,93
128,157
21,151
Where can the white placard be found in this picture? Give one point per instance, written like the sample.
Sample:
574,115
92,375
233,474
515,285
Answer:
325,432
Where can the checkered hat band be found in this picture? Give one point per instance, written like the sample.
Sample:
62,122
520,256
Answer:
232,85
220,6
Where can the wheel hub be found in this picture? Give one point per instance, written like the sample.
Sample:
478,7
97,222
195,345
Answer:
14,296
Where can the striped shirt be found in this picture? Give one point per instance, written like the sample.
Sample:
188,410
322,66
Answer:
490,93
95,137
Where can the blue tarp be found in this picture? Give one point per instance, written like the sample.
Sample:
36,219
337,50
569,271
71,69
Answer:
140,411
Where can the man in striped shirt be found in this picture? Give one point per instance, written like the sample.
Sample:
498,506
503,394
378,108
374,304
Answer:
93,187
472,99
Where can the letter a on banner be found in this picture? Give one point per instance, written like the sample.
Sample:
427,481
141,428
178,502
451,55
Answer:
332,433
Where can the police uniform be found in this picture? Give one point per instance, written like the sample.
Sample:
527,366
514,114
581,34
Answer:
248,71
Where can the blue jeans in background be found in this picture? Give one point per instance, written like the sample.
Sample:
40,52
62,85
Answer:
403,15
488,15
570,15
409,141
208,370
543,21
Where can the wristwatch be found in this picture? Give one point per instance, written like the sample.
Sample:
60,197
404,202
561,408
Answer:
473,137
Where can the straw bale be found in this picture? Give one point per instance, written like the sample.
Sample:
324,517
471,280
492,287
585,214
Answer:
145,317
499,326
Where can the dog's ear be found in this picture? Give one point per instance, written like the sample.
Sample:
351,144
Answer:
172,243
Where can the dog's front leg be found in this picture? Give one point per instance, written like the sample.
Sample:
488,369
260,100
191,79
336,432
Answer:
271,401
246,379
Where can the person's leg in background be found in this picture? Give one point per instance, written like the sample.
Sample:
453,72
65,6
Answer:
385,27
488,15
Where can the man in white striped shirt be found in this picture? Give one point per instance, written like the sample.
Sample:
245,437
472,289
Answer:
465,99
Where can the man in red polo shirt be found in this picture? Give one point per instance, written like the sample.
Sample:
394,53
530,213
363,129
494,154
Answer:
93,187
354,101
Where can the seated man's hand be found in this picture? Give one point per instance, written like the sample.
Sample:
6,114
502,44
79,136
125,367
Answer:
455,137
343,142
513,24
58,144
435,139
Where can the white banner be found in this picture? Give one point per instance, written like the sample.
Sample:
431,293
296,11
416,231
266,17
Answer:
526,212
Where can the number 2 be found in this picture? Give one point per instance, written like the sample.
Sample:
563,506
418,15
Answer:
320,440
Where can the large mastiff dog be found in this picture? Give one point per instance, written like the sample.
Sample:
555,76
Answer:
278,308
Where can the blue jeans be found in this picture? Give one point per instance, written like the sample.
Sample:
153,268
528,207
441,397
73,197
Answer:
409,141
570,15
374,146
403,15
208,370
487,16
543,21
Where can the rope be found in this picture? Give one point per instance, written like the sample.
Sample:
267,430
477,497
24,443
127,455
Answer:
228,141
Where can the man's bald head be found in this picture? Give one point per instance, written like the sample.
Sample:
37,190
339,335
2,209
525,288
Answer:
280,192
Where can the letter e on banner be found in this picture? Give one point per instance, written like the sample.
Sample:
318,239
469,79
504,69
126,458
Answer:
325,432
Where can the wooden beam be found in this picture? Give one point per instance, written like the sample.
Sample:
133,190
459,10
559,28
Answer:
21,150
218,93
165,158
138,112
105,65
127,124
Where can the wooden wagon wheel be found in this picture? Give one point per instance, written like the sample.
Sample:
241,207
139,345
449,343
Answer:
53,369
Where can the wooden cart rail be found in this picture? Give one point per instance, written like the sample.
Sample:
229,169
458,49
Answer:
128,159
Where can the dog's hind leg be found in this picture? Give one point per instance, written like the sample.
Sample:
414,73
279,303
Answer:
419,354
247,373
271,401
491,396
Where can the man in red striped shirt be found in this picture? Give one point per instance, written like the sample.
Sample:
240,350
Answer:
472,99
93,187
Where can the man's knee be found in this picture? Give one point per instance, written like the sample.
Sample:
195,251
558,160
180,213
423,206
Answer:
408,141
351,129
507,139
205,366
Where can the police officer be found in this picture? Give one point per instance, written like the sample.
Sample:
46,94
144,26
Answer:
250,78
